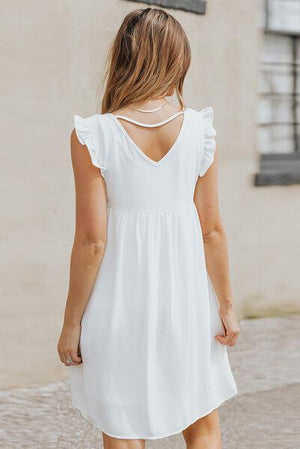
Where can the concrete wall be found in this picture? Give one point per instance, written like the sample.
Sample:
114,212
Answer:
52,61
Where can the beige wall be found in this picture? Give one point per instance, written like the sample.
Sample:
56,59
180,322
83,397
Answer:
52,58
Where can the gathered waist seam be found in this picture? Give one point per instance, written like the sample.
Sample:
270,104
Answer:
157,211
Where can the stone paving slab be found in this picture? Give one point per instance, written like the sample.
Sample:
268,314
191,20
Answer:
267,419
264,415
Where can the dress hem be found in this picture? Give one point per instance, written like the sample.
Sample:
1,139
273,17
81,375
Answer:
191,421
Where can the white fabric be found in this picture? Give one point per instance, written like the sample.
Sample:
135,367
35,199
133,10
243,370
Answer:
152,125
151,363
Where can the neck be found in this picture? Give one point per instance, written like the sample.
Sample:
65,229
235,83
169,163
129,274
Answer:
151,103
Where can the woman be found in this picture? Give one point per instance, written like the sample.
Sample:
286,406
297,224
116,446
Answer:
144,335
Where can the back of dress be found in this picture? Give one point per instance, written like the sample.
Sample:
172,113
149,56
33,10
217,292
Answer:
151,365
136,182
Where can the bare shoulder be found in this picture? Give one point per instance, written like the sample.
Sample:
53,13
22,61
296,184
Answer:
79,154
76,147
74,141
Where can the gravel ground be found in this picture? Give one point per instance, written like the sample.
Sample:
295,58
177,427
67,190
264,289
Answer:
264,415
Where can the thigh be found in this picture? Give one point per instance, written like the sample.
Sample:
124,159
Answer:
118,443
204,428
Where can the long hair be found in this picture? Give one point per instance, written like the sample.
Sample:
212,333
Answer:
148,58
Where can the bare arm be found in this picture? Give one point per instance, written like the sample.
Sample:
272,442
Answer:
88,247
216,252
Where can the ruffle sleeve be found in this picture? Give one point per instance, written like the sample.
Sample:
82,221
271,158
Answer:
86,136
208,141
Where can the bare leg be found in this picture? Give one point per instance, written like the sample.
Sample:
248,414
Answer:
118,443
205,433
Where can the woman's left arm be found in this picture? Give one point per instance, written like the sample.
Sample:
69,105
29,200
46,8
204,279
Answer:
216,252
88,247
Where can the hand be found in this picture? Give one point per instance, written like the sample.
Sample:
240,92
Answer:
231,326
68,345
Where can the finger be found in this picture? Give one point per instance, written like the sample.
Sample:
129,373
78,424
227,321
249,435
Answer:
234,340
61,356
220,335
72,358
222,339
75,357
68,359
230,338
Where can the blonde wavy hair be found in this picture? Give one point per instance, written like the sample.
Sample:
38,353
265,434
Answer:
148,58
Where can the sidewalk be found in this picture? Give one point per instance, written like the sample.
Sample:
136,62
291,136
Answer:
264,415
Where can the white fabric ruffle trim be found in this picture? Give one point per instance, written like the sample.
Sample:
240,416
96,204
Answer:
209,142
85,137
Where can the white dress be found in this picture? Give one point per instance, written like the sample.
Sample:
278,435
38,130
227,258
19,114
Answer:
151,363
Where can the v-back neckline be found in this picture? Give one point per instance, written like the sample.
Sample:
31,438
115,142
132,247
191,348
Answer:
137,147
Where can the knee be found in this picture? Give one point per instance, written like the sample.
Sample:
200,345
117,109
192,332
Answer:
204,433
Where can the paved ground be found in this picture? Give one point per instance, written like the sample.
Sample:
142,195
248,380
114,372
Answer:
265,414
